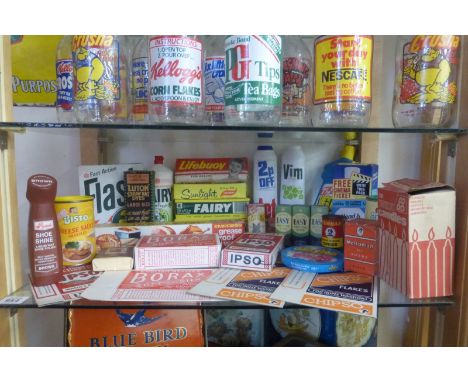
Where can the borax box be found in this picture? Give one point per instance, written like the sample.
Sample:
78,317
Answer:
417,237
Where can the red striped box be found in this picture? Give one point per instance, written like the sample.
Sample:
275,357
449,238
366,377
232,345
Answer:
361,240
417,237
177,252
253,251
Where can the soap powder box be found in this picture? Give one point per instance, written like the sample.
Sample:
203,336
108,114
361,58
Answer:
208,210
417,237
177,251
355,180
209,191
253,251
211,170
106,184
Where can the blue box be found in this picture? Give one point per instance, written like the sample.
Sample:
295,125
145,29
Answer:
351,208
365,178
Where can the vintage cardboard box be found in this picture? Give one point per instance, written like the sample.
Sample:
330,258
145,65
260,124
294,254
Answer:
343,292
113,235
209,191
351,208
211,170
106,184
244,286
253,251
417,237
355,180
177,251
74,281
208,210
135,327
361,246
113,259
139,196
362,267
148,286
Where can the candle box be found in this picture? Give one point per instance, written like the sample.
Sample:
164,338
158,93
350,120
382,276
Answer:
417,237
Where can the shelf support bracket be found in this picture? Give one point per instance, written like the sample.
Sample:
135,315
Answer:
13,312
3,140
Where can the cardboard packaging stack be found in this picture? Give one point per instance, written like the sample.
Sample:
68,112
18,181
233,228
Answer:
210,189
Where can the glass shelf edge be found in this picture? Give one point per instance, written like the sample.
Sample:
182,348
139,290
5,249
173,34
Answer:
14,126
25,291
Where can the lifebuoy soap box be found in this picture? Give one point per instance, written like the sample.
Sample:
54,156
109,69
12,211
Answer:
177,251
253,251
417,237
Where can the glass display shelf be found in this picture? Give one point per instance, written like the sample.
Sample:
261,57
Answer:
388,298
309,129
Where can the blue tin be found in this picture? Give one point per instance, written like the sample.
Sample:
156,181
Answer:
312,258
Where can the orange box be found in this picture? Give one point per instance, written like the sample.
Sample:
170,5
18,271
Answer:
361,240
135,328
360,267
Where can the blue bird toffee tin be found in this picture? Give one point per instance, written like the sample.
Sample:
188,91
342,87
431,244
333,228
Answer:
311,258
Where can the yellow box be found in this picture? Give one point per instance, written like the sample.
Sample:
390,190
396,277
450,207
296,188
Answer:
209,191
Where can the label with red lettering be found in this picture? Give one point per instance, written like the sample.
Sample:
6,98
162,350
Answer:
429,70
96,60
296,82
45,249
165,279
253,70
64,69
343,68
175,73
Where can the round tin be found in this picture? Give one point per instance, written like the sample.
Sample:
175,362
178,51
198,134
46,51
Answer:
75,215
333,231
312,258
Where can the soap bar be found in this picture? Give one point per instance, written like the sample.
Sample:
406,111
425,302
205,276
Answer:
311,258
